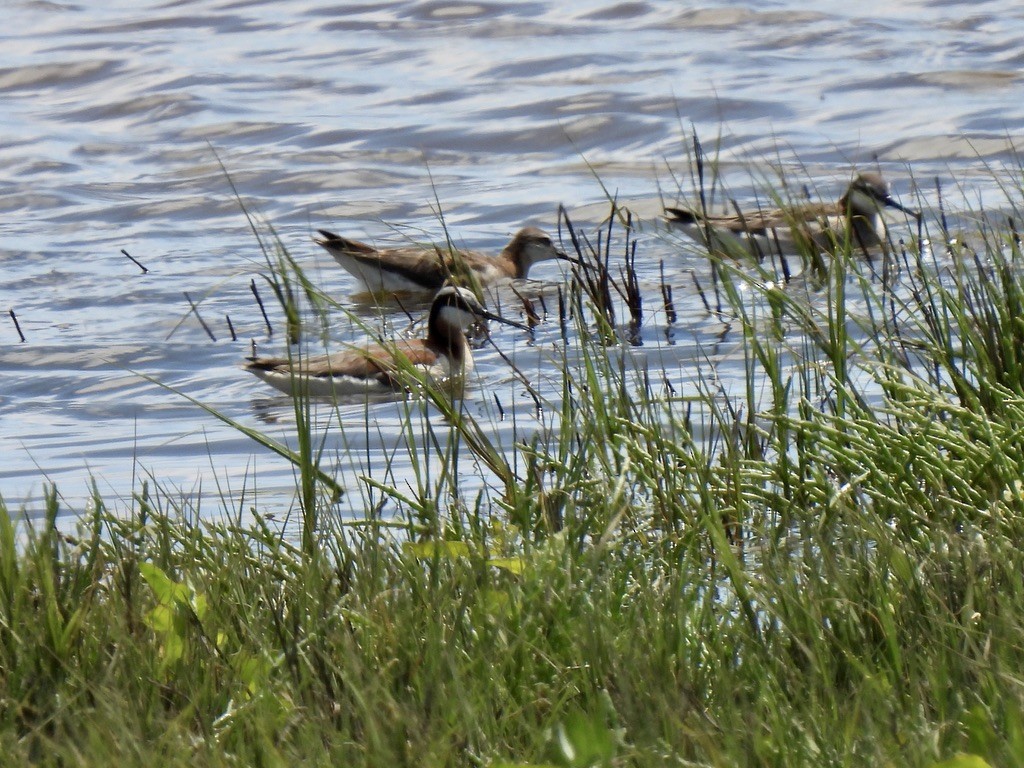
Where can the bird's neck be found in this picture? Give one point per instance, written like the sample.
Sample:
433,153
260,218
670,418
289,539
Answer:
514,263
451,342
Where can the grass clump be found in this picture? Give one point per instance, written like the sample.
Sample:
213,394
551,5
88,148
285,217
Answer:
820,568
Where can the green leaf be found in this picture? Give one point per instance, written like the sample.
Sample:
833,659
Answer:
199,605
963,761
428,550
584,740
514,565
174,649
495,602
161,618
165,589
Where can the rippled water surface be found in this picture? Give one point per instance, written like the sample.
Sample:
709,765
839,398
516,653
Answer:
375,119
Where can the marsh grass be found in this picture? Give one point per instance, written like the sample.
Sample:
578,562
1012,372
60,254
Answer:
822,569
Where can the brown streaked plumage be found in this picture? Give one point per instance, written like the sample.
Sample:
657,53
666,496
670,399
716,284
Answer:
443,354
428,268
854,220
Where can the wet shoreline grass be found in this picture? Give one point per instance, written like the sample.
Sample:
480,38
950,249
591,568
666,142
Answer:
821,570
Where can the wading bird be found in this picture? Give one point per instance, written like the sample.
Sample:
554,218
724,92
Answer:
428,268
854,220
444,354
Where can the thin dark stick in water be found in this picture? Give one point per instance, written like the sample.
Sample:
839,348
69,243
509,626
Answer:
700,292
401,306
666,296
135,261
231,327
195,311
634,297
715,279
786,273
17,326
942,211
501,411
562,311
263,311
698,156
543,306
537,406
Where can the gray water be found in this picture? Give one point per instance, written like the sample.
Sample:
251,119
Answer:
378,120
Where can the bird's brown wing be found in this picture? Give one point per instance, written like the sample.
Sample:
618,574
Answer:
423,266
377,362
755,222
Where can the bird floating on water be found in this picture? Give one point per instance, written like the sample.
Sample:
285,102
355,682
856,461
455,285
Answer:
428,268
854,220
444,354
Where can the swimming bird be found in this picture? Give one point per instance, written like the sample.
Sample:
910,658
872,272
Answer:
443,354
854,219
428,268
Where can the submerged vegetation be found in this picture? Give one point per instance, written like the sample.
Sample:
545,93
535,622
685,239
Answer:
820,569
